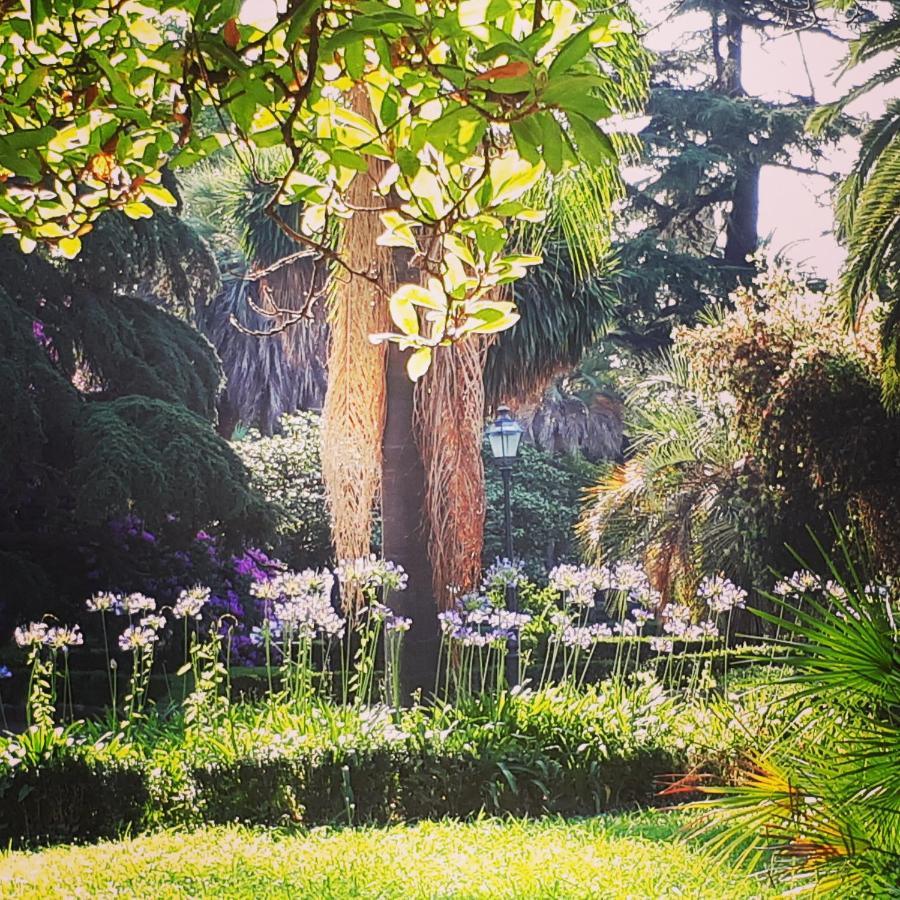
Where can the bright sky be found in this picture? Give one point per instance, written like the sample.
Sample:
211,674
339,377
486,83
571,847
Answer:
795,209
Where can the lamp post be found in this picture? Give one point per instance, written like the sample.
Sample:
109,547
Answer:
504,436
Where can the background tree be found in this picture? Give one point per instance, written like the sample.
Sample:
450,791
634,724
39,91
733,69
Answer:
691,222
114,405
869,199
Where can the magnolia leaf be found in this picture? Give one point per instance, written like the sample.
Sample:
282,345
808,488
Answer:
230,33
69,247
398,232
512,176
403,313
158,194
594,144
490,321
313,221
431,297
137,210
144,31
419,363
517,69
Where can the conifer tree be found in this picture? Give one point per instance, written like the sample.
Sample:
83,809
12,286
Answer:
113,402
692,222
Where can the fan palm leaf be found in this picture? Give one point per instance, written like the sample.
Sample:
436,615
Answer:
823,801
266,376
666,501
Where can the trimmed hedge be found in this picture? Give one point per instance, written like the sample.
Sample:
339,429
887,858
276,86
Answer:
384,785
75,799
71,799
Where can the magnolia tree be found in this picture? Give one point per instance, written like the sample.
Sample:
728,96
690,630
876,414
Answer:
471,102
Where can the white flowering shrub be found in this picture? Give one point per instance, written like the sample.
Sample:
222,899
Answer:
286,468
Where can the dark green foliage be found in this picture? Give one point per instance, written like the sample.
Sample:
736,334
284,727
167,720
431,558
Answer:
693,219
562,316
546,499
161,260
377,786
114,404
70,799
159,458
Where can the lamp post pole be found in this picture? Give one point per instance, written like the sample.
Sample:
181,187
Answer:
512,591
504,436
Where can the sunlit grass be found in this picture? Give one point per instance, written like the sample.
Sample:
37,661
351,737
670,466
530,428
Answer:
631,856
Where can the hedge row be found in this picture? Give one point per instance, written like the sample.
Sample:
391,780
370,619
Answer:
73,799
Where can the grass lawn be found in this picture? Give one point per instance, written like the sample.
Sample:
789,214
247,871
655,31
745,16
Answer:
628,856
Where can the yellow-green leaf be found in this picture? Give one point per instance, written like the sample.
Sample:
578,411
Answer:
403,313
137,210
419,363
69,247
431,297
159,195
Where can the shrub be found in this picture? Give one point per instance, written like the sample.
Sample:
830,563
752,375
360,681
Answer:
286,468
765,421
71,798
545,501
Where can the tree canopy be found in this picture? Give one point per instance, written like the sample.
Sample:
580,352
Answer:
471,102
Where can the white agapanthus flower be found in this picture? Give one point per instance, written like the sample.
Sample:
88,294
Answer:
137,637
190,602
105,601
61,637
31,635
137,603
721,594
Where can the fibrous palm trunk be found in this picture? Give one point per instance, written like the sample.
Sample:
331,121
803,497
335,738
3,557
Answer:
354,413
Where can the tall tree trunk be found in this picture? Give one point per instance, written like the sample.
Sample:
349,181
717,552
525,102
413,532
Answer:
741,234
353,419
741,230
404,534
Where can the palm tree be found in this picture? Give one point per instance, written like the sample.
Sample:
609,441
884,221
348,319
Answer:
821,799
868,208
668,503
265,376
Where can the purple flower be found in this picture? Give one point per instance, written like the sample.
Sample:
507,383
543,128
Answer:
5,672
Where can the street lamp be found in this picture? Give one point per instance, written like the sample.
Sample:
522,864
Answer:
504,437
